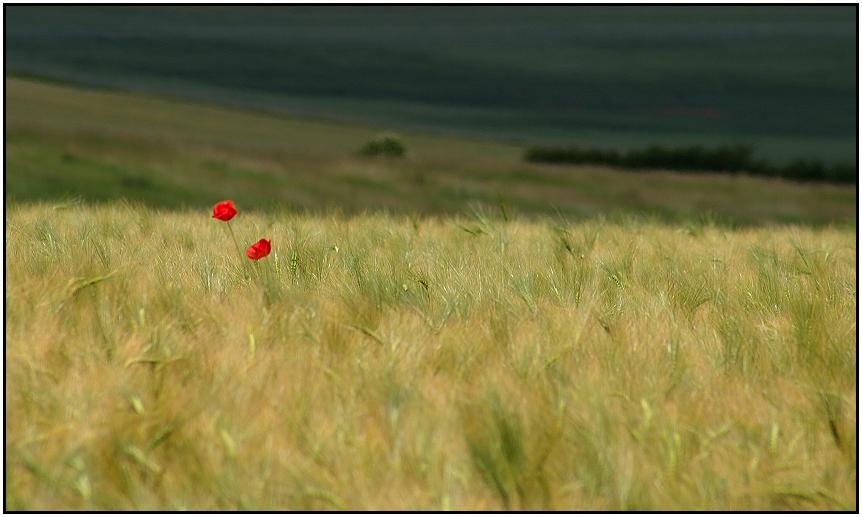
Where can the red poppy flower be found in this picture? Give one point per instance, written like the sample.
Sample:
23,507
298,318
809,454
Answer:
224,210
259,249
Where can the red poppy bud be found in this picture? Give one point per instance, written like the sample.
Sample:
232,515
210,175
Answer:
224,210
259,249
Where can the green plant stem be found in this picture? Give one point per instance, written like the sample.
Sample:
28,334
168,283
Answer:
238,249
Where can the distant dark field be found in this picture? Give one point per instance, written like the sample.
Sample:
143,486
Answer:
779,78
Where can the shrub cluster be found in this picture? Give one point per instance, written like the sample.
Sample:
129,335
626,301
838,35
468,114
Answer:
387,144
725,158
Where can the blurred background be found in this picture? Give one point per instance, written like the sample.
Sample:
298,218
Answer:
779,78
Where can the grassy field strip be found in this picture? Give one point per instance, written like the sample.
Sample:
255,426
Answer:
145,116
98,145
388,362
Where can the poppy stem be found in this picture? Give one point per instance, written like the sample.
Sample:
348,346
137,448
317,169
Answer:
238,248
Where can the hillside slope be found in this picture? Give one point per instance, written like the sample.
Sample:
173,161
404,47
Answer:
781,78
64,141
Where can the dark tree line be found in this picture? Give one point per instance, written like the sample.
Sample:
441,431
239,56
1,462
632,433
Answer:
725,158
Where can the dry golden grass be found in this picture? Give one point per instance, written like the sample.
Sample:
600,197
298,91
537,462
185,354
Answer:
380,362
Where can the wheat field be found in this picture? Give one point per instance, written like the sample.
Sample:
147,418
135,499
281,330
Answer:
390,362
